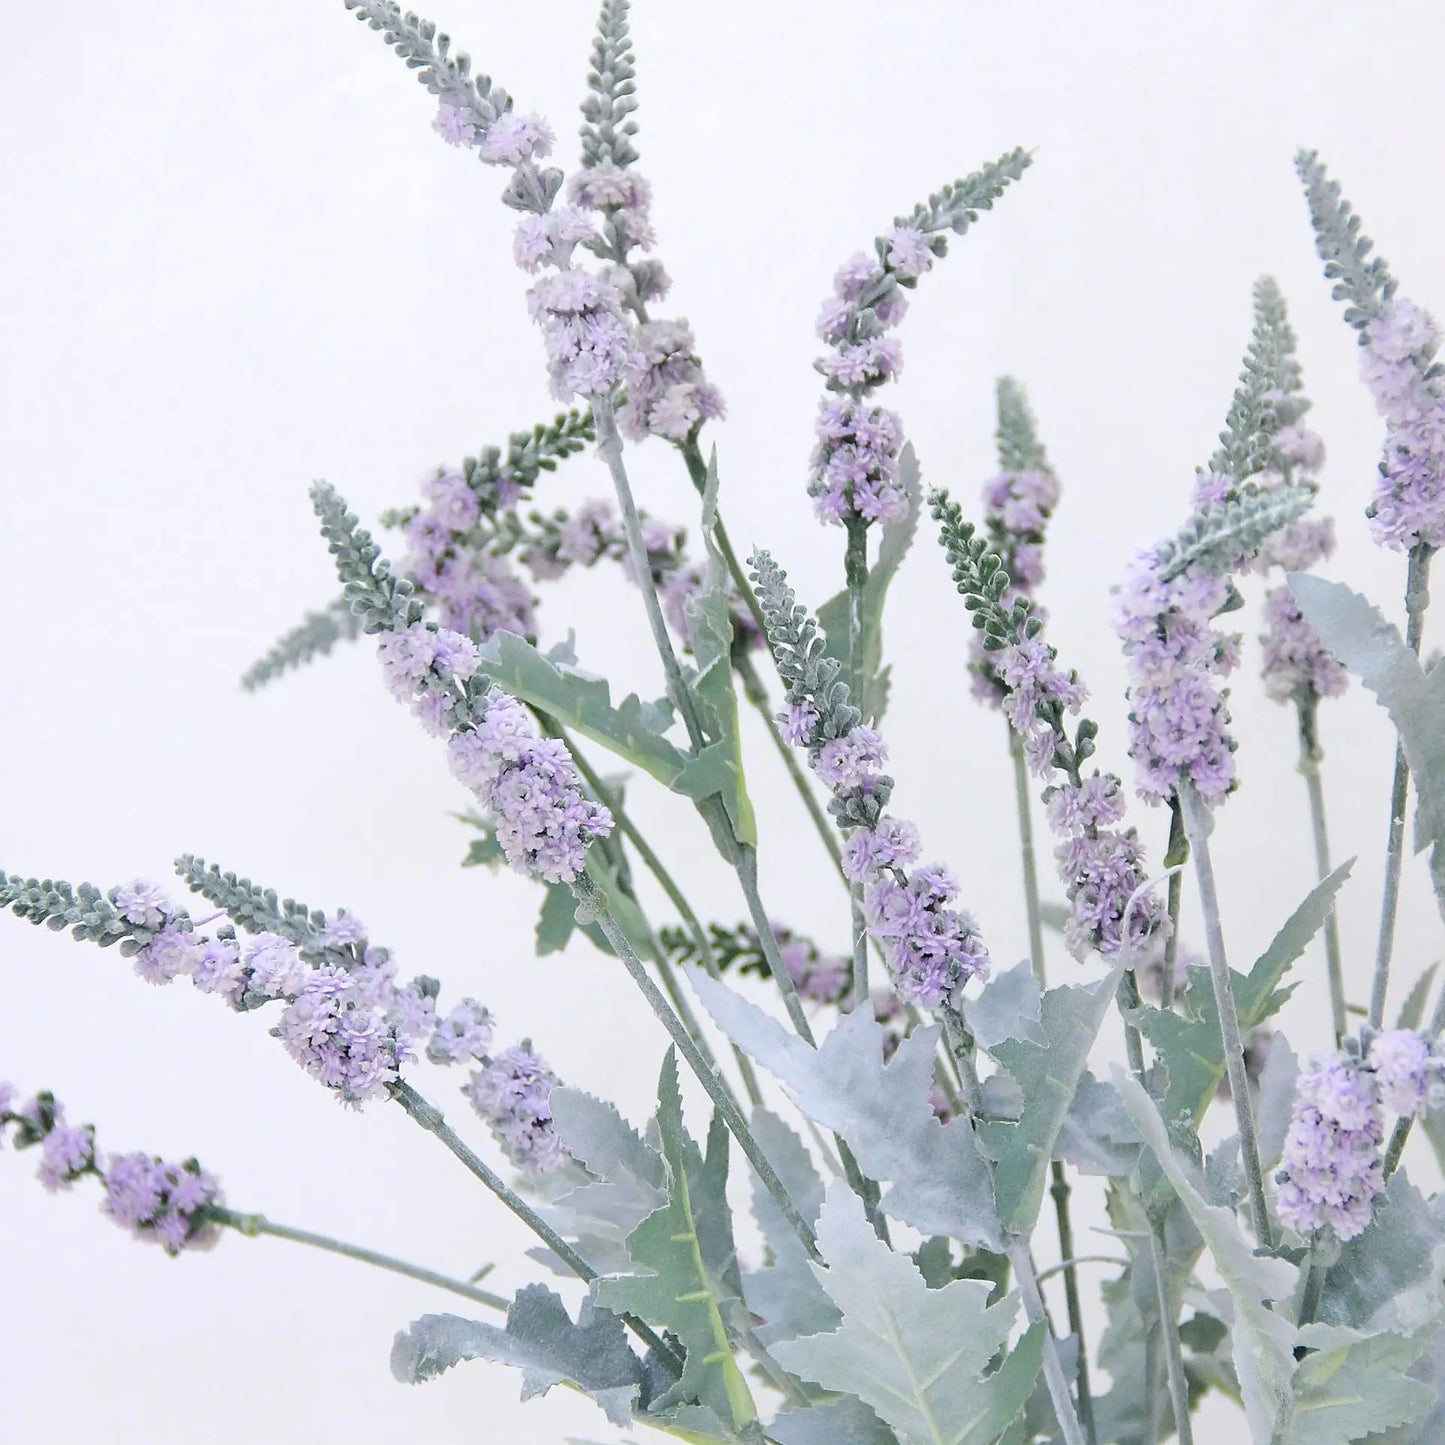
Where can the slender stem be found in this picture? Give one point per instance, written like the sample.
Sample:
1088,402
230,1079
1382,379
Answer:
1310,757
741,856
1054,1378
697,470
700,942
1401,1132
1316,1270
1173,1354
1417,599
855,571
254,1225
1059,1190
1178,852
961,1047
757,696
430,1118
1196,825
1063,1264
1127,999
1026,852
592,901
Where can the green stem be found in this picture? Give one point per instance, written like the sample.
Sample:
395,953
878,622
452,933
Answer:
1178,853
1054,1378
1060,1191
1173,1354
855,571
431,1119
1417,599
694,926
592,902
1026,852
254,1225
742,856
1196,826
1310,757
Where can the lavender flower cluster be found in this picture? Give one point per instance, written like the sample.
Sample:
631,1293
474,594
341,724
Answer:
159,1202
931,949
1332,1168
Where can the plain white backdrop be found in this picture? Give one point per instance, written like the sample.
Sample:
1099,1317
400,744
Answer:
234,257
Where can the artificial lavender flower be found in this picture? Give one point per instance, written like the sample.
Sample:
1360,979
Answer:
1332,1169
1398,340
931,949
544,823
1297,665
140,902
465,1033
853,474
156,1200
511,1092
667,394
1404,1071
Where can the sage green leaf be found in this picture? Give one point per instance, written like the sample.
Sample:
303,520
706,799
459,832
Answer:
1353,629
622,905
486,851
785,1293
539,1339
582,701
1412,1011
1262,1341
1097,1135
1048,1075
1389,1276
1275,1106
710,631
844,1421
1008,1007
916,1356
697,1425
628,1181
938,1180
1354,1385
1192,1048
1054,915
555,923
869,693
1429,1370
690,1278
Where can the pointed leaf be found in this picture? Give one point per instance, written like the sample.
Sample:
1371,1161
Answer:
540,1340
582,701
844,1421
1353,629
1192,1048
1009,1007
939,1182
688,1286
914,1355
785,1293
1412,1011
1048,1074
1097,1135
1275,1105
1262,1341
1355,1385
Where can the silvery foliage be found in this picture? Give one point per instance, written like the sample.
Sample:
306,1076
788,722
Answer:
902,1165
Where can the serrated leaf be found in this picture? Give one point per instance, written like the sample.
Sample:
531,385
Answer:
556,921
1097,1135
938,1180
1192,1048
785,1294
1389,1276
914,1355
485,852
582,701
844,1421
710,631
1048,1074
1353,629
686,1247
1355,1385
541,1340
1429,1370
1412,1011
1262,1341
870,692
1008,1007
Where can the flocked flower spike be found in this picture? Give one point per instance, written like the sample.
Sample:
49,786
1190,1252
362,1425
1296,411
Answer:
931,949
1398,342
854,471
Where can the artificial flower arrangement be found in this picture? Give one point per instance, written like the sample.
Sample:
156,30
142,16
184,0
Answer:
938,1103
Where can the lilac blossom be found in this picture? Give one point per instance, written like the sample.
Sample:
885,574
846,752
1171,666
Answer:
667,393
818,977
465,1033
1332,1168
511,1092
1405,1070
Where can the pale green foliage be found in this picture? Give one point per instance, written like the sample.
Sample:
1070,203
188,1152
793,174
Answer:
914,1355
1247,441
1019,447
1360,279
607,128
1215,538
314,636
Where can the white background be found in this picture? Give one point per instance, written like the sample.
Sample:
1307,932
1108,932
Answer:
234,257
